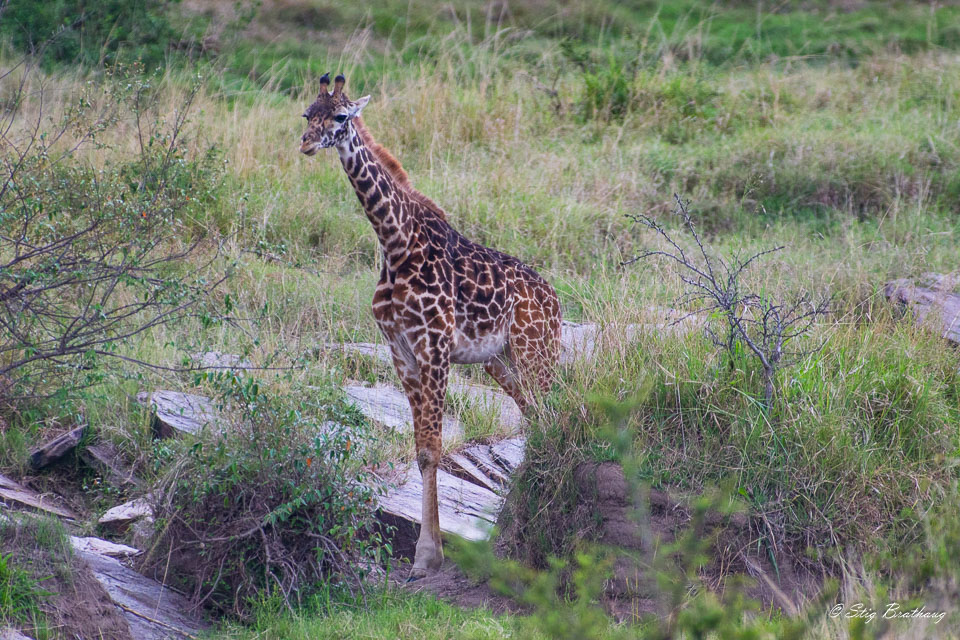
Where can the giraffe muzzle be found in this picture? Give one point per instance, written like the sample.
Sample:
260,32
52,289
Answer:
308,148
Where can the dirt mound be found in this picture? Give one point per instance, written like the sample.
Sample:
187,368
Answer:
450,584
79,607
83,609
632,591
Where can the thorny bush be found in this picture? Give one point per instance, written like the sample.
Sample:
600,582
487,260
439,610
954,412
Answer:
749,322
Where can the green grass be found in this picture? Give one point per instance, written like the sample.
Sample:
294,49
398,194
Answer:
392,614
20,594
33,550
281,48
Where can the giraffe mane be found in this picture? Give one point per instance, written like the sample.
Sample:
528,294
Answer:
393,167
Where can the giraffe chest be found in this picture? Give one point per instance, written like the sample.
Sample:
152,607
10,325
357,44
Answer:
474,337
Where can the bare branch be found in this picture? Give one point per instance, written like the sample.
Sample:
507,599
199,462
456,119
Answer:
764,325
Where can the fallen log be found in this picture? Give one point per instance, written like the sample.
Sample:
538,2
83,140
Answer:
153,611
119,518
176,412
16,493
103,547
54,450
104,457
388,406
466,509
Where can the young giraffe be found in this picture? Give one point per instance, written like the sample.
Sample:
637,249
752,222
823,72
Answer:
441,298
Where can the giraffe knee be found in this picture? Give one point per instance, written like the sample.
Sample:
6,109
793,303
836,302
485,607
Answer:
427,458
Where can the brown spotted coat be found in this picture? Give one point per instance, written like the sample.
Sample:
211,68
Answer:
441,298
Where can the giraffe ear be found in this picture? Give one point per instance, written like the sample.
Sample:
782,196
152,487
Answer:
359,105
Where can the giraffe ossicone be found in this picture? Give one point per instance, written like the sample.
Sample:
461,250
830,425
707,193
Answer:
441,298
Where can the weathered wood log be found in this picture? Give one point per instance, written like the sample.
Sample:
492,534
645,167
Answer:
379,352
176,412
120,517
578,341
9,633
103,547
153,611
463,467
466,509
16,493
581,341
54,450
509,453
388,406
480,455
935,308
104,457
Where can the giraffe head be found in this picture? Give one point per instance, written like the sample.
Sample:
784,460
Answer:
328,118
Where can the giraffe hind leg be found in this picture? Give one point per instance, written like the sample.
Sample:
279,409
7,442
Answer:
504,371
527,366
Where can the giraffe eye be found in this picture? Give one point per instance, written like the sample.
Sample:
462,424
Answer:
341,117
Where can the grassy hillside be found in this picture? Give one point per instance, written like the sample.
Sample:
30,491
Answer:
827,127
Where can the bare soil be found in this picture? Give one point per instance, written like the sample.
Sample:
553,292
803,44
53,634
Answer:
451,585
734,548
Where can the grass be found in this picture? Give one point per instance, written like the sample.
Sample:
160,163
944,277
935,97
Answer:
20,594
34,553
827,130
389,614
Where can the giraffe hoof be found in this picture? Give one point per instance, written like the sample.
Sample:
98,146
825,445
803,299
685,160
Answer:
416,573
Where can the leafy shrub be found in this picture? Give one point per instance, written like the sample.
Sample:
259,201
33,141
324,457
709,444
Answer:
273,507
88,31
608,90
91,256
678,104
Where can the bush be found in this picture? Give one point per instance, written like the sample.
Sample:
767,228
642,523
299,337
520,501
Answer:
88,31
273,508
91,256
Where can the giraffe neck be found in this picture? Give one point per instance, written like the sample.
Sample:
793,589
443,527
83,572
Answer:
383,200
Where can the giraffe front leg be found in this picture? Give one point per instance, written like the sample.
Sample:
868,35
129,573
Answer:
428,431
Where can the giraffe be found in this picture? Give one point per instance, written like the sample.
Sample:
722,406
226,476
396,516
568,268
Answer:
441,298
